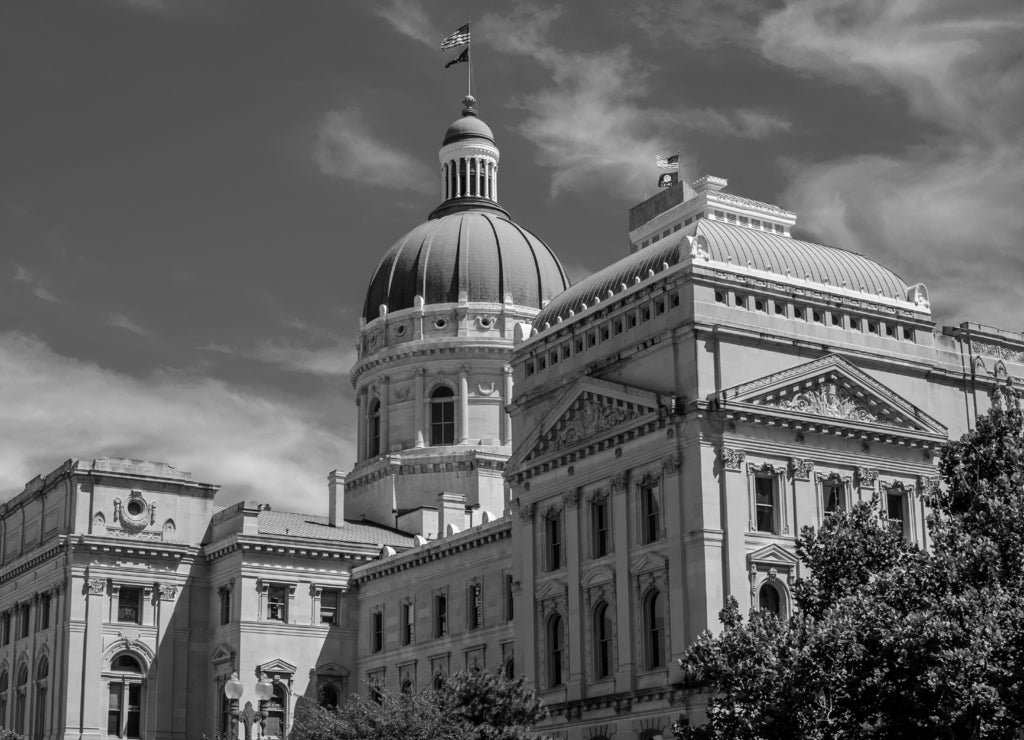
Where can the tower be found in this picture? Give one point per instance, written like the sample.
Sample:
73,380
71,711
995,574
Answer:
432,377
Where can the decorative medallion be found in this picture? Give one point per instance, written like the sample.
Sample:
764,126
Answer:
732,459
97,586
828,400
802,468
671,462
866,477
486,389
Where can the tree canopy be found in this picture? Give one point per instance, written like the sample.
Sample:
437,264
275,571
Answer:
472,705
886,640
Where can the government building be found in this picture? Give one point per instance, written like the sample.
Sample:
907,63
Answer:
558,481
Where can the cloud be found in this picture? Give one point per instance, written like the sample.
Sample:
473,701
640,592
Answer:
120,321
346,148
702,24
254,445
946,211
335,360
594,124
38,285
409,18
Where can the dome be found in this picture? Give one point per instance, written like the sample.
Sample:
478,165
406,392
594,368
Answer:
480,252
467,127
735,245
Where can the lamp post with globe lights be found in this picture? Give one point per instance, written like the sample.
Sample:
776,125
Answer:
248,715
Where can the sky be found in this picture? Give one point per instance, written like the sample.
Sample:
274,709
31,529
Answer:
194,193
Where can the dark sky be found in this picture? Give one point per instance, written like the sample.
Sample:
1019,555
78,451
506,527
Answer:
194,193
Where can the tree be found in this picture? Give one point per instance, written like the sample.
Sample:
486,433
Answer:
888,641
472,705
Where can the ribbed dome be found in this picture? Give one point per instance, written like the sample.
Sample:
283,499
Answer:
734,245
479,252
469,126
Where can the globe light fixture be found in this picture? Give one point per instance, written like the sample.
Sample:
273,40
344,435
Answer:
248,716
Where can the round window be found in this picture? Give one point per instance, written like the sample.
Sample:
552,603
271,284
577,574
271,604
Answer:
135,507
400,330
441,323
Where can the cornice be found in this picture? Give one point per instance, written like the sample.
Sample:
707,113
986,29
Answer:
455,347
33,560
396,464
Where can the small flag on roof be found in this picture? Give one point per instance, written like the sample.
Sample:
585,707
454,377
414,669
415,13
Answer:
459,37
672,163
668,179
463,57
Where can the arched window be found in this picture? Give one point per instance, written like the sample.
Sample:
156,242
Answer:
654,630
768,600
4,686
327,696
20,699
42,685
375,428
555,650
602,641
442,416
124,696
510,669
406,686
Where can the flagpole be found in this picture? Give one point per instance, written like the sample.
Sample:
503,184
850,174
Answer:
469,66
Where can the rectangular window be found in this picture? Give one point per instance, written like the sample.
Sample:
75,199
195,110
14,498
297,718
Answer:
408,624
832,498
475,606
553,532
225,605
5,628
129,604
378,631
440,615
509,598
277,603
599,527
23,620
44,612
650,515
330,601
894,506
764,499
114,693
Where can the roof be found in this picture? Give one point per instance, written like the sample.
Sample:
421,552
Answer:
468,127
733,245
308,526
478,251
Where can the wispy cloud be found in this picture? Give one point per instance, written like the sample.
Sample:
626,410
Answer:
255,445
334,360
347,148
120,321
595,125
947,210
410,18
35,282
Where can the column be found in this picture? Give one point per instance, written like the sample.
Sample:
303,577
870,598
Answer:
418,411
576,617
458,177
361,442
385,395
92,689
506,397
464,404
444,181
479,176
624,629
494,184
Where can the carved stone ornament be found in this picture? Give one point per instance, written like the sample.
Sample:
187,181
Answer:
572,499
994,350
402,393
590,418
486,389
929,484
168,591
866,477
671,462
830,400
526,512
802,468
620,481
699,247
732,459
97,586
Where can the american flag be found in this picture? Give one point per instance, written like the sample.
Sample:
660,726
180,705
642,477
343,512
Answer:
460,37
672,163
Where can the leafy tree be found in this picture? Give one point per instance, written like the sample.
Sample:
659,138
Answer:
888,641
471,705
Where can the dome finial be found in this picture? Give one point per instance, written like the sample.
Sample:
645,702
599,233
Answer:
469,106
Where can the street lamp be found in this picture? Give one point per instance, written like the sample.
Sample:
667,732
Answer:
248,715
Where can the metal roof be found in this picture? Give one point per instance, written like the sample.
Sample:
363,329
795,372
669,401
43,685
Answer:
307,526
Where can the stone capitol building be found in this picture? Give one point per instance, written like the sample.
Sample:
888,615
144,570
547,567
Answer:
558,481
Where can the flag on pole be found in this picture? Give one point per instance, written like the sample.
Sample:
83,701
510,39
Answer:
672,163
459,37
463,57
668,179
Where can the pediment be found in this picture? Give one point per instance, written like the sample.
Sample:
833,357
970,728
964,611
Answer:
590,410
552,589
222,654
773,556
833,389
277,665
648,563
331,669
597,577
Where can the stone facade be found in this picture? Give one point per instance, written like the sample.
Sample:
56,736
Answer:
677,418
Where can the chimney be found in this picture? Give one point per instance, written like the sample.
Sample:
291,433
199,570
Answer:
336,494
451,510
